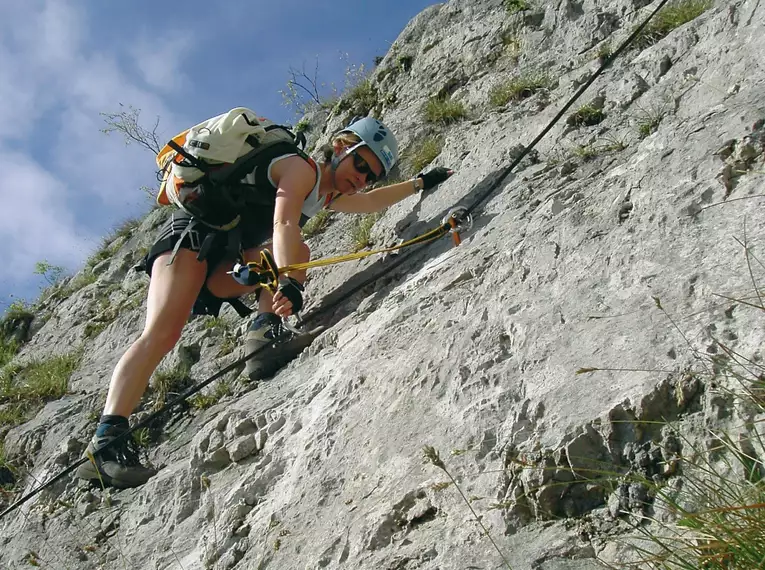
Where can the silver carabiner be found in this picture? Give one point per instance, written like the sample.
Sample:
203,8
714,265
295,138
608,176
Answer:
463,221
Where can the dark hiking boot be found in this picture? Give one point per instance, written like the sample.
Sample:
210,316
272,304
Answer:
116,466
275,345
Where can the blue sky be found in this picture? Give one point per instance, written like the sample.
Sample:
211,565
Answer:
64,184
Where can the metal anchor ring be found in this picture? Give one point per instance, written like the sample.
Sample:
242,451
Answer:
463,221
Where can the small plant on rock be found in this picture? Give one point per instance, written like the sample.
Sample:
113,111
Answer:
210,398
518,88
515,6
425,153
444,111
303,125
604,52
586,115
25,389
169,382
317,224
361,231
672,16
363,95
649,118
216,323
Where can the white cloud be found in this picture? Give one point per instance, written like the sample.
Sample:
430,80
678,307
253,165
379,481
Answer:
62,181
159,62
35,221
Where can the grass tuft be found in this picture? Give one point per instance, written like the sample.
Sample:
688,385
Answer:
202,401
169,382
303,125
361,231
649,118
425,153
25,389
672,16
518,88
515,6
317,224
431,455
586,115
440,110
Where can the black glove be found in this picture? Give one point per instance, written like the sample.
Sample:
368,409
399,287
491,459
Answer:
293,290
434,177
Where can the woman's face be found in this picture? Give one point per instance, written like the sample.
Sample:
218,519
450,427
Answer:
359,169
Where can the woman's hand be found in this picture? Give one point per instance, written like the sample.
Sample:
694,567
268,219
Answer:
288,299
434,177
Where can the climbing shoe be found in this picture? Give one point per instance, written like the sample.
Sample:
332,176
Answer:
117,465
275,344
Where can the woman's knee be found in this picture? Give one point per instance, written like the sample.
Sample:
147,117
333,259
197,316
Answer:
160,338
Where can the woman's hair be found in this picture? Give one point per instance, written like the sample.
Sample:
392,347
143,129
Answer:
346,139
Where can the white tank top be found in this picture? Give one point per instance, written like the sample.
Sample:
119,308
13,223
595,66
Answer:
313,202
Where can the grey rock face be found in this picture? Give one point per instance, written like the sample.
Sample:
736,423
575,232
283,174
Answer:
592,302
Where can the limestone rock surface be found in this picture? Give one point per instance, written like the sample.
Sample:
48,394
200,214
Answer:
619,247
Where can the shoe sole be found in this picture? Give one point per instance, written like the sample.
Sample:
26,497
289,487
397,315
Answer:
281,354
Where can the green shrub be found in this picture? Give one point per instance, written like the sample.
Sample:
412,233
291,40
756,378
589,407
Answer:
216,323
361,97
317,224
94,328
425,153
672,16
405,63
649,118
585,152
515,6
228,345
8,350
361,231
142,437
604,52
303,126
82,279
210,398
18,310
12,414
169,382
25,389
518,88
444,111
587,115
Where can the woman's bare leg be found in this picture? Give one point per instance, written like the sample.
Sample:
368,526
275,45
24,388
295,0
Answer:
172,292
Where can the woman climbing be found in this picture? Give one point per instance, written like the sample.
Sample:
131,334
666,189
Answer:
189,266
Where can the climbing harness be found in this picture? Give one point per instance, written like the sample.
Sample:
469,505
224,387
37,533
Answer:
266,272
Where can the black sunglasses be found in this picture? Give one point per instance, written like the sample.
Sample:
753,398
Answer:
362,167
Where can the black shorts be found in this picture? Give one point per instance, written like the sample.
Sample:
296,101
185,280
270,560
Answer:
214,247
250,233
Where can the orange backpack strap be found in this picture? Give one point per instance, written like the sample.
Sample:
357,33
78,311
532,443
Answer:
165,159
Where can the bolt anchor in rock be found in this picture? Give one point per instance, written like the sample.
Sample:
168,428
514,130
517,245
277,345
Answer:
460,220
